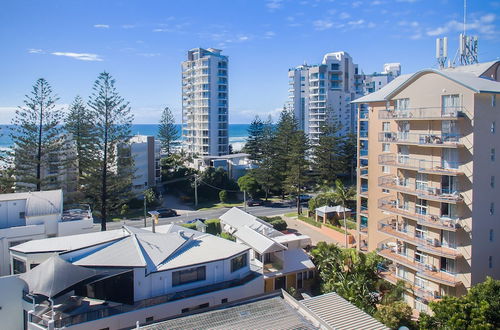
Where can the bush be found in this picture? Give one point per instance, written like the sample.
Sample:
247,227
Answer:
213,226
223,196
227,236
340,230
279,224
270,219
189,225
350,224
309,221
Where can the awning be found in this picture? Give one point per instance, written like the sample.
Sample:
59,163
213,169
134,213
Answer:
55,275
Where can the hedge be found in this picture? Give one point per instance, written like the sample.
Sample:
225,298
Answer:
340,230
310,221
228,236
279,224
213,226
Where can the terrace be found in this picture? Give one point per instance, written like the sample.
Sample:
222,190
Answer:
422,139
423,113
439,166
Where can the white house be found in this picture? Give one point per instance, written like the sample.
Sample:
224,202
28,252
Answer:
35,215
117,278
236,165
279,257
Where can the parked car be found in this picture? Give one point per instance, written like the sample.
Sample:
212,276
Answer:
166,213
305,198
255,202
194,220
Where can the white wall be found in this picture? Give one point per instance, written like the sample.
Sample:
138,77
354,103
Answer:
9,213
75,227
11,304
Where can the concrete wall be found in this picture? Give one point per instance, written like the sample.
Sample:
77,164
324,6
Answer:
15,235
10,213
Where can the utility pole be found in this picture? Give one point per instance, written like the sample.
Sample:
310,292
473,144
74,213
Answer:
245,199
145,213
195,190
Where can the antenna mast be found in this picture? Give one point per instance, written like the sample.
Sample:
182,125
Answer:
467,48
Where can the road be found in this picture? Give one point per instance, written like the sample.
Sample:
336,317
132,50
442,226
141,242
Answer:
208,214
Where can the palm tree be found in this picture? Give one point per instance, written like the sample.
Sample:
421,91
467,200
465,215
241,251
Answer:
342,194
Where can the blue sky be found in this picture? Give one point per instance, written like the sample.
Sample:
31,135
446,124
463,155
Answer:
143,42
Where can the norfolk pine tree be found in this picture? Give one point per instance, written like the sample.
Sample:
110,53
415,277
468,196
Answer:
168,133
80,125
112,170
296,176
327,155
266,171
254,143
282,144
36,134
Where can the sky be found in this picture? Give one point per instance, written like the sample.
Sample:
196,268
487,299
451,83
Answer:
142,43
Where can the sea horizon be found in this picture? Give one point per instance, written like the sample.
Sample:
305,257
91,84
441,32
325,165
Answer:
237,133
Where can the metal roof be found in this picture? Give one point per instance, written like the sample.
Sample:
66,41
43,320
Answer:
237,219
340,314
270,313
330,209
38,203
257,241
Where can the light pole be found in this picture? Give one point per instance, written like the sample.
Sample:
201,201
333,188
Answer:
154,215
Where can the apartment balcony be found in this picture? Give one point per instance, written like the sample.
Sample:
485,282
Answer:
425,113
421,191
363,172
363,153
363,210
363,191
391,227
427,139
440,166
363,134
392,205
391,250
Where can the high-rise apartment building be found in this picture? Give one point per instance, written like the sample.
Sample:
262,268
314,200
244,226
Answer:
205,102
377,80
323,93
428,179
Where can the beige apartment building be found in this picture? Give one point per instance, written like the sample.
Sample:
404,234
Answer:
429,179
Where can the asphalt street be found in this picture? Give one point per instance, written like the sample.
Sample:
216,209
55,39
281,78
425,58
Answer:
208,214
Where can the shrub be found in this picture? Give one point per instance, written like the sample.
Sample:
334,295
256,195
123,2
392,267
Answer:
223,196
213,226
227,236
350,224
189,225
340,230
270,219
279,224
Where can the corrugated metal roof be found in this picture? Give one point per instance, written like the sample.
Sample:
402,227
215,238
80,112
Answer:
270,313
237,218
339,313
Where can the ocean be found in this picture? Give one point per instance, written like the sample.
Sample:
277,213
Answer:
237,134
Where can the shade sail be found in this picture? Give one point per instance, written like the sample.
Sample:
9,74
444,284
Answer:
55,275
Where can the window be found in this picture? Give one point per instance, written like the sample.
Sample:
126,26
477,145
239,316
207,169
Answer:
188,276
492,208
492,181
223,301
19,266
450,105
280,283
385,169
300,283
420,306
492,129
386,126
386,191
386,147
490,262
492,154
22,215
402,104
491,235
238,262
421,206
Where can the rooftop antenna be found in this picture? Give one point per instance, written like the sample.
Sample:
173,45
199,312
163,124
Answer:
467,48
441,51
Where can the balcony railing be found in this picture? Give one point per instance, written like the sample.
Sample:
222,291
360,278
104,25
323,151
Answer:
363,152
363,134
425,139
125,308
393,252
363,209
423,165
363,114
421,191
425,113
392,205
391,227
363,171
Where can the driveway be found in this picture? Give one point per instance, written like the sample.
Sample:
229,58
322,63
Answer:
173,202
302,228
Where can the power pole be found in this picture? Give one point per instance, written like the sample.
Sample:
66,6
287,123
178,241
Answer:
245,199
195,190
145,213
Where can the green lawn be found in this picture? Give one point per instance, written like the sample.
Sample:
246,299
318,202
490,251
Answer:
133,214
210,205
291,214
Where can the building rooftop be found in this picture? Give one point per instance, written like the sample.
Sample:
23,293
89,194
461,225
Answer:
257,241
237,218
328,311
338,313
331,209
468,76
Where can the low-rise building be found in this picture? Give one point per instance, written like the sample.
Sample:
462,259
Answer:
236,165
279,257
145,152
36,215
117,278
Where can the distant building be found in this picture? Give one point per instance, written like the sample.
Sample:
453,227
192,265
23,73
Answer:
279,257
117,278
428,173
205,102
320,94
236,165
36,215
375,81
145,152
